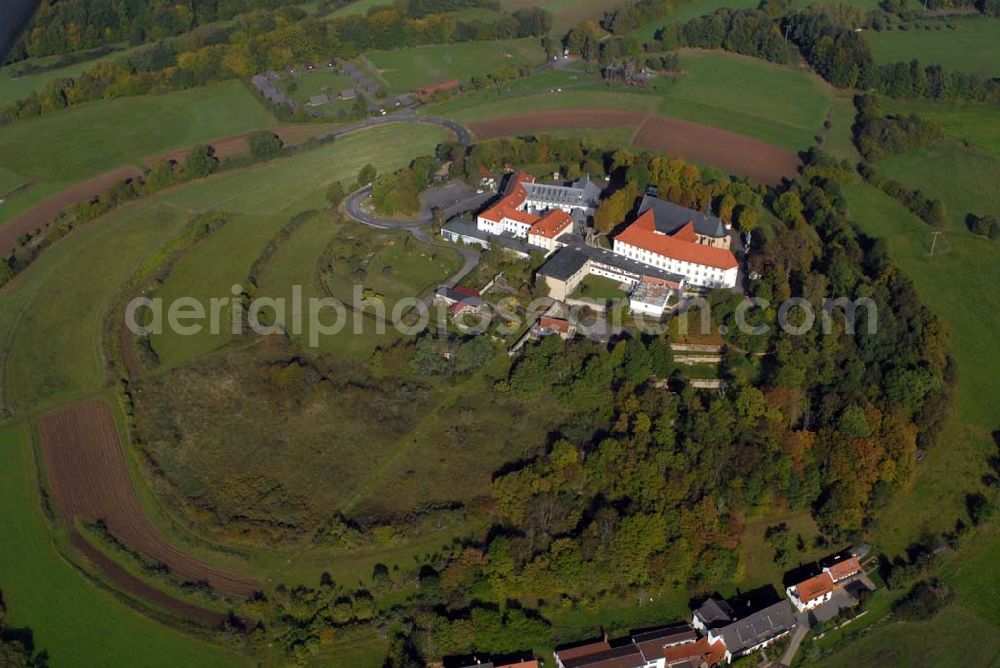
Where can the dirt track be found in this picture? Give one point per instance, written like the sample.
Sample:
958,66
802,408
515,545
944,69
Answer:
45,211
89,479
729,151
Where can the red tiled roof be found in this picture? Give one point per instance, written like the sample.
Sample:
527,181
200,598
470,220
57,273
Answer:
507,207
552,224
710,653
686,233
527,663
555,324
642,234
814,588
845,568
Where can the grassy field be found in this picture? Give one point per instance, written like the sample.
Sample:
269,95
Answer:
973,124
73,145
838,140
410,68
62,297
73,620
263,199
61,301
780,105
599,287
973,45
964,179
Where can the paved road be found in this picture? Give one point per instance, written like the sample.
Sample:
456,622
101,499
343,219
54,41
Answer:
419,226
798,635
355,210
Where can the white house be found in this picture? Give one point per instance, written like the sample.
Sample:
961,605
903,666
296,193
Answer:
811,593
701,264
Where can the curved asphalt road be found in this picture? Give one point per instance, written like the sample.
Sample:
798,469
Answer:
418,226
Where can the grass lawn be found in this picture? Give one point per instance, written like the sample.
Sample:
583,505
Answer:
966,180
410,68
757,555
276,192
779,105
61,299
53,314
297,262
969,123
601,288
70,146
972,46
839,140
74,621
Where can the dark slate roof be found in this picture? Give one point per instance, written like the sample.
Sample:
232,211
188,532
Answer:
563,263
604,256
714,613
757,627
583,193
670,217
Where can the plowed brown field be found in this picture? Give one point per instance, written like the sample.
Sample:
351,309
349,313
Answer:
89,479
729,151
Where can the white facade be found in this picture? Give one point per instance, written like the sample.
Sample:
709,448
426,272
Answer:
802,606
696,274
505,224
543,242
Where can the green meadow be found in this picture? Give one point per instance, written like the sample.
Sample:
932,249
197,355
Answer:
780,105
73,620
965,179
61,300
973,124
262,199
62,297
776,104
964,44
70,146
410,68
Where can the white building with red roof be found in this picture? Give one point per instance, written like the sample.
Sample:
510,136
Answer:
811,593
680,251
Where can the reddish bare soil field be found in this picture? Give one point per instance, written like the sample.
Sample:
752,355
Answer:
89,479
45,211
729,151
